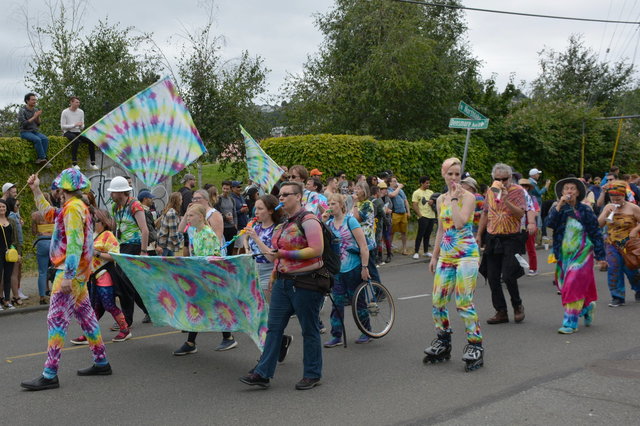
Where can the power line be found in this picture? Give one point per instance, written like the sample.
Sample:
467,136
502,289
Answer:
505,12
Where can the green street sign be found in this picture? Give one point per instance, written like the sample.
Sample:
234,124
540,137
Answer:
470,112
467,123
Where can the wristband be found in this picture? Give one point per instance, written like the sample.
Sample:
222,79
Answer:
365,267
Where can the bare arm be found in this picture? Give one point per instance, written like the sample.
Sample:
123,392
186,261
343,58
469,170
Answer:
144,231
216,223
461,215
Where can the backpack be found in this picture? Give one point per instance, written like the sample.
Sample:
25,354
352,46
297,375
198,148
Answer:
153,237
330,253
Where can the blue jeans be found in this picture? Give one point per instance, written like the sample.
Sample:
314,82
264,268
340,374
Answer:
42,256
616,272
344,286
39,141
167,252
287,300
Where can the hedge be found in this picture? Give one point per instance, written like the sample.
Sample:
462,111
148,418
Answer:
17,157
365,155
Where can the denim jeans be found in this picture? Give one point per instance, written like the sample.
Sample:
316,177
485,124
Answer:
616,272
39,141
42,256
287,300
344,287
167,252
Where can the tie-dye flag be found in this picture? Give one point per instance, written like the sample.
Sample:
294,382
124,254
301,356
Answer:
262,169
151,135
200,293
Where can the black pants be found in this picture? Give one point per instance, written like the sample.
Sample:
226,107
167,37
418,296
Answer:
76,144
425,227
128,298
229,233
191,338
503,266
6,269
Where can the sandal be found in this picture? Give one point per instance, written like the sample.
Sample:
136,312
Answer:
16,301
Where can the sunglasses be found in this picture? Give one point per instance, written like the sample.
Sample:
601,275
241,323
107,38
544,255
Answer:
286,194
295,177
502,179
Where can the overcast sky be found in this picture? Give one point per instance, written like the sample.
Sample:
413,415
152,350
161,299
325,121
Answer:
283,34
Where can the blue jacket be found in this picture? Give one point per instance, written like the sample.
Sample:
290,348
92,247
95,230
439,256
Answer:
557,220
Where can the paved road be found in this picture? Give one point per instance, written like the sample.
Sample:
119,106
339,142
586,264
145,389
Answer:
532,374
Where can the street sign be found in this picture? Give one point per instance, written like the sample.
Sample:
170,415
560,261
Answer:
470,112
468,123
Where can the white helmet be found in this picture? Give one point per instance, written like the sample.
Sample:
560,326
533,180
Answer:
119,184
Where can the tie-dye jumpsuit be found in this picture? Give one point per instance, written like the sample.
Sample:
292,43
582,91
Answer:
71,254
456,272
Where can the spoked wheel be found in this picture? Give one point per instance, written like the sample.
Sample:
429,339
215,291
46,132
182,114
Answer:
373,309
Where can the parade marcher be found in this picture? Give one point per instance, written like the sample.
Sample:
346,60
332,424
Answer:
42,230
354,258
71,255
529,224
242,214
455,264
102,295
310,199
471,185
169,235
503,210
622,219
72,124
203,241
261,241
576,237
133,235
363,212
227,207
297,255
423,207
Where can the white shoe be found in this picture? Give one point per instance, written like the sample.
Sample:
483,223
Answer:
428,254
22,296
76,167
416,256
93,167
532,273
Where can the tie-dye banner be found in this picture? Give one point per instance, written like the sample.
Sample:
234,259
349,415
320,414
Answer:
200,293
151,135
262,169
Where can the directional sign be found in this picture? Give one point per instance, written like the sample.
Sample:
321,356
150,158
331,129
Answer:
467,123
470,112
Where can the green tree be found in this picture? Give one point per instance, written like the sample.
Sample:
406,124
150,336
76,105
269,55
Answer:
9,121
103,68
385,68
220,93
577,74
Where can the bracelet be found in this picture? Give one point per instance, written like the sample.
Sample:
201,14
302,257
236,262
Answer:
365,267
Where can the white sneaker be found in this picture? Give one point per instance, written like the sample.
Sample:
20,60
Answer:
428,254
9,306
22,296
93,167
76,167
416,256
532,273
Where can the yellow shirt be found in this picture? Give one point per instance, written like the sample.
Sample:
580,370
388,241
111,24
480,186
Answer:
422,197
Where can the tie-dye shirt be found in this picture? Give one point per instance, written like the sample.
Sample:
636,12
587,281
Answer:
106,242
312,202
456,243
288,236
72,239
126,223
367,220
349,259
204,242
265,235
500,218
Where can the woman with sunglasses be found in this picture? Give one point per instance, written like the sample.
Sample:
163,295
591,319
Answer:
102,293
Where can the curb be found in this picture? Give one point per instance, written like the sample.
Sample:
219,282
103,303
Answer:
26,310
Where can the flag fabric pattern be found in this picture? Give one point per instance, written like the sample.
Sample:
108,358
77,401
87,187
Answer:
200,293
151,135
262,169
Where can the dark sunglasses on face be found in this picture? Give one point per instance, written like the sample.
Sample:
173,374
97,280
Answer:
502,179
286,194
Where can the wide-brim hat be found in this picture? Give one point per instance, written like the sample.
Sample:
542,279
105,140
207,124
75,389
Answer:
71,179
471,182
582,189
525,182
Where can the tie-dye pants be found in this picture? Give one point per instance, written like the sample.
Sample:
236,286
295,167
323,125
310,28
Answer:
574,310
61,307
457,278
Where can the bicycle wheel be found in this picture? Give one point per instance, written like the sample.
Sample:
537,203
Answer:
373,309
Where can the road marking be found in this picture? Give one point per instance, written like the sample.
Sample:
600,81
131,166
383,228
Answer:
73,348
414,297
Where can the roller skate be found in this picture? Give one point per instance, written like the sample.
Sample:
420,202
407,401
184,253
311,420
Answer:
473,357
439,350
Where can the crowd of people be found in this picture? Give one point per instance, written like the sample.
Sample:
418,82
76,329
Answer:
505,221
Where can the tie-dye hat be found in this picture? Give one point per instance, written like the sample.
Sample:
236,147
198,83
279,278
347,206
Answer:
71,180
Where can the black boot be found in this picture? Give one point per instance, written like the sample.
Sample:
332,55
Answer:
96,370
41,383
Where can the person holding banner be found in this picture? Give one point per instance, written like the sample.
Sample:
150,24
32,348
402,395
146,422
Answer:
203,241
297,255
71,255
